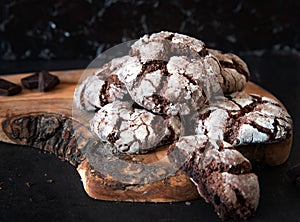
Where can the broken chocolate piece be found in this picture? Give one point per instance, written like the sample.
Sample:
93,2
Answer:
8,88
31,82
43,80
47,81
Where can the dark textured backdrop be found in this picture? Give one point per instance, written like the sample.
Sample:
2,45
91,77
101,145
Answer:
81,29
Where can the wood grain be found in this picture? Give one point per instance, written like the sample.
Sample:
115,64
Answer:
44,120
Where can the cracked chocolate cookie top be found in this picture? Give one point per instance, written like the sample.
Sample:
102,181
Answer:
242,119
102,87
163,45
178,86
172,74
132,129
222,174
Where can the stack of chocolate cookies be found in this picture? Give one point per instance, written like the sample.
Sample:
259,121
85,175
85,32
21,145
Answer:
171,91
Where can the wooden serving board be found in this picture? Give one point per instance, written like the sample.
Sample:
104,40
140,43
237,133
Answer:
44,120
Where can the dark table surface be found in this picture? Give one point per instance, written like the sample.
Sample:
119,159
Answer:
37,186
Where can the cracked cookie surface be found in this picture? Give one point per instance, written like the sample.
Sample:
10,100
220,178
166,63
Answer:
242,119
178,86
133,130
102,87
165,72
222,175
174,74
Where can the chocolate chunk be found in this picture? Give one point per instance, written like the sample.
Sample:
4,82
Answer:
47,81
31,82
8,88
43,80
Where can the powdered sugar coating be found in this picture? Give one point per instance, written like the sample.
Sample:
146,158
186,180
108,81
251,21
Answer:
178,86
132,130
102,87
205,151
222,174
243,119
187,59
130,69
87,93
162,45
176,78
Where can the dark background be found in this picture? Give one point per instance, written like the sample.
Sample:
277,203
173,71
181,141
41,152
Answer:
56,35
71,33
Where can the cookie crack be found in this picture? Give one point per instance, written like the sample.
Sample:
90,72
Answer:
103,94
261,128
152,66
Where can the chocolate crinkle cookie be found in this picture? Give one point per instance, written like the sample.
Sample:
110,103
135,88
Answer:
177,74
102,87
132,129
234,71
242,119
178,86
222,175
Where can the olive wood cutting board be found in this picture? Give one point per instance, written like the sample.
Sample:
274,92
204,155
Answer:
44,120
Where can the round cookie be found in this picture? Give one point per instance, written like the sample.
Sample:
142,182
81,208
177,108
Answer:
178,86
174,74
102,87
94,92
163,45
233,69
133,130
222,174
243,119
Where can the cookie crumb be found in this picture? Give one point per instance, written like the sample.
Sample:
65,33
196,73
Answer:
187,203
